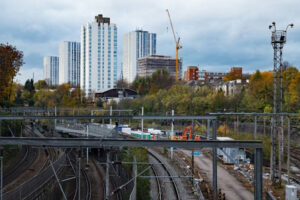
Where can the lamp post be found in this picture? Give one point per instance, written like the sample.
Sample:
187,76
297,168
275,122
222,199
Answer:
278,40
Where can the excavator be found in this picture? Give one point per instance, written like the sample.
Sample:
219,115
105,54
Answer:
187,134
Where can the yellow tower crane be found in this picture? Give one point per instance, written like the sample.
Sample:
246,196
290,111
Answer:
177,40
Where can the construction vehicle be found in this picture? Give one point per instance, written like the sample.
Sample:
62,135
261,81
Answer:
178,46
187,130
187,134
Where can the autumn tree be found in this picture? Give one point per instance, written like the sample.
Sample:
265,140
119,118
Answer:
231,76
11,60
28,92
287,76
122,84
294,90
260,90
141,85
161,79
44,98
40,84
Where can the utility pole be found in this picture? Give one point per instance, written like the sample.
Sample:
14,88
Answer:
288,148
1,183
107,176
79,170
172,133
278,40
110,113
255,127
208,129
55,113
87,149
142,123
193,137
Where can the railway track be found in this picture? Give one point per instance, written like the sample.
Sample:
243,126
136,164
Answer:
31,188
165,193
159,193
88,189
115,185
295,159
28,158
100,186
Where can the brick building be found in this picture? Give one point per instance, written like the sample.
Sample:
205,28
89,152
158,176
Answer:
191,74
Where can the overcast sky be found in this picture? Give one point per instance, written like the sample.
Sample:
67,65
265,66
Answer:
215,34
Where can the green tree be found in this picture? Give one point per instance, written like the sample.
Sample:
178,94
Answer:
260,91
44,98
41,84
29,86
142,85
294,90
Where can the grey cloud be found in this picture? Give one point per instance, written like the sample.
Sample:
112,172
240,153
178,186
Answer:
215,33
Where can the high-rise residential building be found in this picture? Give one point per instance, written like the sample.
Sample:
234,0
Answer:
51,66
148,65
191,74
69,63
98,66
136,44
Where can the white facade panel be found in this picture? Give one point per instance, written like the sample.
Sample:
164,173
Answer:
51,68
98,57
136,44
69,62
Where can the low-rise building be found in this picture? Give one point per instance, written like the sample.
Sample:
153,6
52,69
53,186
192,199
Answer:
209,77
150,64
232,87
237,71
191,74
116,94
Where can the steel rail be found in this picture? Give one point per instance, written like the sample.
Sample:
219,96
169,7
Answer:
169,175
14,172
96,143
150,117
253,114
88,195
157,182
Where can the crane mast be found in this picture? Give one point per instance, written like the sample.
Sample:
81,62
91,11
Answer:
177,40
